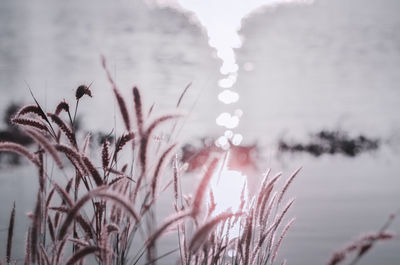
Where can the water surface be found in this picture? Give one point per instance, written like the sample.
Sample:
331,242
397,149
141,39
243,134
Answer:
333,64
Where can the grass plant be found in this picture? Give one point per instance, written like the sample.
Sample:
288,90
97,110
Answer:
98,209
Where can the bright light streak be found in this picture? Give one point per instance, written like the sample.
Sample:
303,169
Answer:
223,19
237,139
227,187
228,96
228,81
228,134
226,120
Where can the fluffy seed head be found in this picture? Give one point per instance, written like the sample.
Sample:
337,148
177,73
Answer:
81,91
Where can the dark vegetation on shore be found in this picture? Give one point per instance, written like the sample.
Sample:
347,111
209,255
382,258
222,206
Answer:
332,142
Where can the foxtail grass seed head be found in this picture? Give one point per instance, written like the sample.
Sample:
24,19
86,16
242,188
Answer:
62,106
164,157
105,154
30,123
138,109
10,234
81,91
86,144
31,109
284,232
68,132
202,188
203,232
287,184
123,109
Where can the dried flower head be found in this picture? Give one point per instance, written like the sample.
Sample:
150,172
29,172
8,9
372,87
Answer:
81,91
62,106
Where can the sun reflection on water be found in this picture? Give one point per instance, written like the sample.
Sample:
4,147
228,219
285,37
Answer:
222,20
229,188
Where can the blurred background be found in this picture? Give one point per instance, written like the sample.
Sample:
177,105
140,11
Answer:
299,68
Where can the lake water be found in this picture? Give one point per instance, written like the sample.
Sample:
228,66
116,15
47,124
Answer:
333,64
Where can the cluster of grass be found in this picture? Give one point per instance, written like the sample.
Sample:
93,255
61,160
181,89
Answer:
103,211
